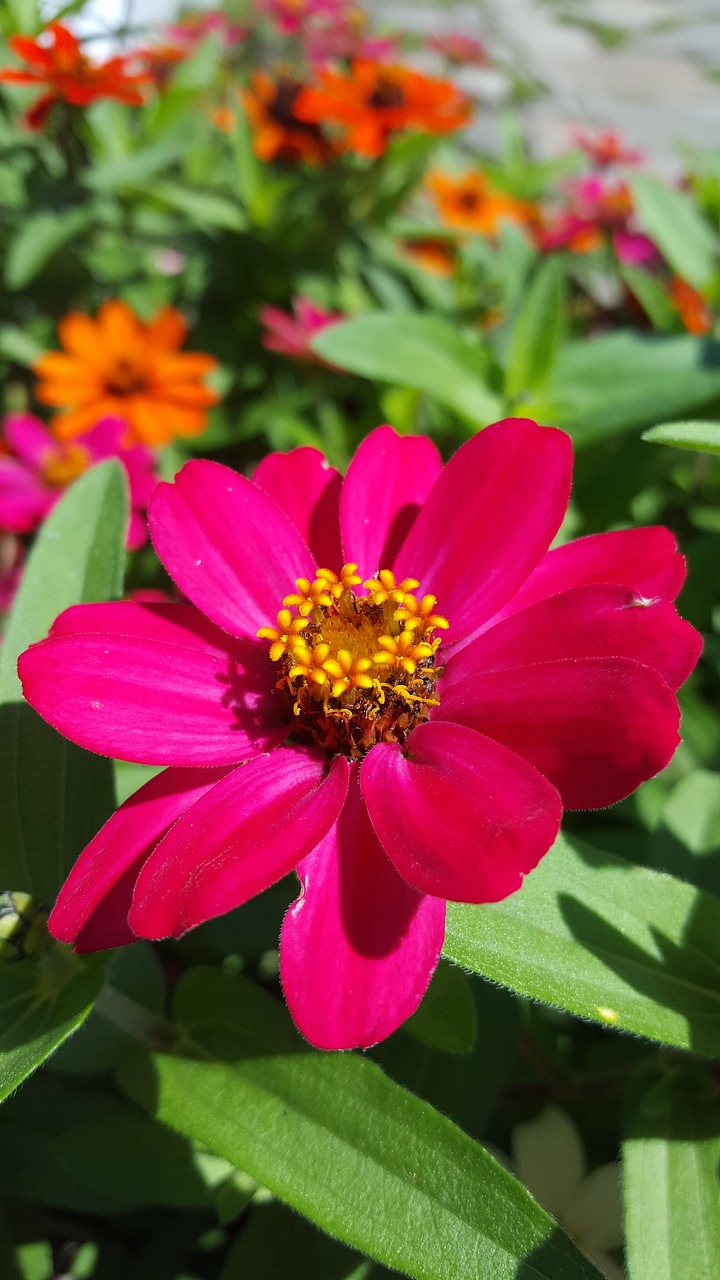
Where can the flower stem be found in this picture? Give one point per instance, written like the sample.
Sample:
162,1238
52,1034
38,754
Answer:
134,1020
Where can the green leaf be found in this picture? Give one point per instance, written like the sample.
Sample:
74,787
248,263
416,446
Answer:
651,295
334,1138
18,345
418,351
608,384
85,1150
593,934
40,1006
53,796
702,436
277,1243
129,171
446,1018
537,332
39,238
679,230
465,1087
204,207
671,1157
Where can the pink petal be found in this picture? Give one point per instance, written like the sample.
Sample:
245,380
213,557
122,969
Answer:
596,728
488,520
93,904
460,816
24,499
248,832
599,621
646,559
307,489
227,546
386,484
29,439
155,685
358,921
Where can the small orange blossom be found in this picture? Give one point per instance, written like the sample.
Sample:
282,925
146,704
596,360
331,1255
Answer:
118,365
469,202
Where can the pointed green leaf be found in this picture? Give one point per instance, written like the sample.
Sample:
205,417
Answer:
53,796
702,436
40,1006
600,937
677,227
335,1139
537,332
671,1181
39,238
604,385
418,351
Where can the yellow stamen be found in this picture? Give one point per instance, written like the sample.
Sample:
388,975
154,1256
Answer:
418,614
284,636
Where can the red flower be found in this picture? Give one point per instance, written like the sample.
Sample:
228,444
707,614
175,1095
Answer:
58,62
393,754
376,100
605,148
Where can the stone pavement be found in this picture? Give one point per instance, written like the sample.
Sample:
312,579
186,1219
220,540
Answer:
649,68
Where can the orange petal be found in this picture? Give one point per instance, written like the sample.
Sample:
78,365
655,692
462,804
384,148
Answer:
168,330
55,366
80,335
188,365
120,330
66,425
188,395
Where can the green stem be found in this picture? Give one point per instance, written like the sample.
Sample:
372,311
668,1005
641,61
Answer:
134,1020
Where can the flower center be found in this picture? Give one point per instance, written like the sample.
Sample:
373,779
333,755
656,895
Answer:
63,466
357,670
125,377
387,94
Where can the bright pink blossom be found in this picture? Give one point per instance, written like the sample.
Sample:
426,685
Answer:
597,210
197,26
12,555
397,750
291,16
290,334
38,468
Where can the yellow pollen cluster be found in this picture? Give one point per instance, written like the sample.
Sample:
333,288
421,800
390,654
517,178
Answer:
357,669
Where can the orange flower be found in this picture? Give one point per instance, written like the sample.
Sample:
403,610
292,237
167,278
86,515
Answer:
278,134
376,100
695,313
117,365
470,203
430,253
68,75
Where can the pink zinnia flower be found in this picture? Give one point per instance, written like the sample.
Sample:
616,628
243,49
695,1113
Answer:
197,26
291,16
291,335
38,468
395,749
12,555
598,209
